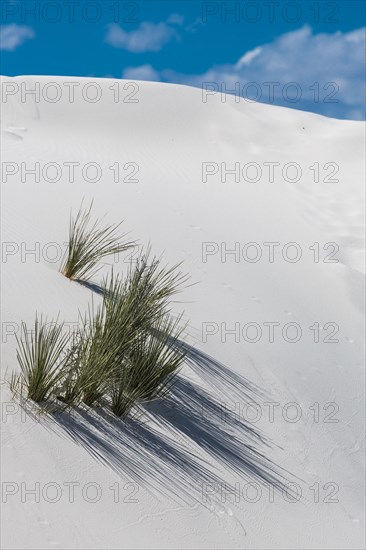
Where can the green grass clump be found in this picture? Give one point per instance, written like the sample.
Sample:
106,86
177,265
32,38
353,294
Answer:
90,360
88,243
146,351
148,368
155,359
126,351
40,357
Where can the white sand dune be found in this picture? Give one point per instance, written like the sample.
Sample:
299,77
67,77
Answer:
174,468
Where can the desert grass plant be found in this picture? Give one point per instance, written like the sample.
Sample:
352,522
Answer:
40,356
102,338
134,303
147,371
146,353
156,358
89,360
120,397
88,243
124,352
145,292
105,358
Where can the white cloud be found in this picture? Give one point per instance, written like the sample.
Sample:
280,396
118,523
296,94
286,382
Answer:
175,19
248,57
143,72
13,35
148,37
304,58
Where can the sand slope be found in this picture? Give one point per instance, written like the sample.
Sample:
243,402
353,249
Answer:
161,464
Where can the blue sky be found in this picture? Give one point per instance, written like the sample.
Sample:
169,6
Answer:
303,54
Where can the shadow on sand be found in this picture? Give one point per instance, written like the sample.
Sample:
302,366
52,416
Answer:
186,440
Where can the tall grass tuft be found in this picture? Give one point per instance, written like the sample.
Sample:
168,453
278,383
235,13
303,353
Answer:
156,358
88,243
123,353
89,360
129,337
40,357
147,370
146,355
145,292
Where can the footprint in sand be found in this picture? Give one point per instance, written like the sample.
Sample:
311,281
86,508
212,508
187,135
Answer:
13,133
10,136
226,518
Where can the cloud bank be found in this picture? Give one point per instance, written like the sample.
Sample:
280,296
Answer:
322,73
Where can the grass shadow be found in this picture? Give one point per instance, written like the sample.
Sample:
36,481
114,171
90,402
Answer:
188,438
